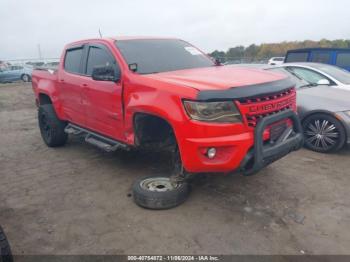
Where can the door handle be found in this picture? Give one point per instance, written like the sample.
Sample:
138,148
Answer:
61,80
84,85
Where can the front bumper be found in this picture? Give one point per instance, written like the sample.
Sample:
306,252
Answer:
245,151
264,154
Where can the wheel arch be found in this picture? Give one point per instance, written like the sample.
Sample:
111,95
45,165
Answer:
160,122
44,99
314,112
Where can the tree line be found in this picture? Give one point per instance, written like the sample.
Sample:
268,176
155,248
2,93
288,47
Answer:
265,51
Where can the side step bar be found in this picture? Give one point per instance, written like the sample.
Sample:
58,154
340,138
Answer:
100,141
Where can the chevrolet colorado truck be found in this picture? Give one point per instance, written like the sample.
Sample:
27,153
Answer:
165,94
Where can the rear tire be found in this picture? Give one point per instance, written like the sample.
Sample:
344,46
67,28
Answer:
51,128
323,133
159,193
5,250
26,78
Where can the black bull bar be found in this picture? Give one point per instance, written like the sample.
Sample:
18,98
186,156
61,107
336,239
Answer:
262,154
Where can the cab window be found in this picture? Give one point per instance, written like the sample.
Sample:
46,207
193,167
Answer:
99,57
72,60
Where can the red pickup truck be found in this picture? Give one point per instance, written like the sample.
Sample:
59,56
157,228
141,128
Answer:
165,94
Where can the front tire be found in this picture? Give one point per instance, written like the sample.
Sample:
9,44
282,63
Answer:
51,128
5,250
323,133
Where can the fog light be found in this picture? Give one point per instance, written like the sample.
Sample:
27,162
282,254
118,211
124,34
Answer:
211,152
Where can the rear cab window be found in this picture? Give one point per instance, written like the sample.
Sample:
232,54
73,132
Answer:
72,60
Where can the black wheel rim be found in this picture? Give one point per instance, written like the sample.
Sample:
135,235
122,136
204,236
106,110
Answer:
45,127
321,134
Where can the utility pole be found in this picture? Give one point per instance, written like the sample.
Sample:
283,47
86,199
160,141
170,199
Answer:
39,51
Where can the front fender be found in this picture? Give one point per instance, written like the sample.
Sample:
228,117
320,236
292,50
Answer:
154,102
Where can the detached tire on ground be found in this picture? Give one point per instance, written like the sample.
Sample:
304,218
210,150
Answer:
51,128
159,193
5,250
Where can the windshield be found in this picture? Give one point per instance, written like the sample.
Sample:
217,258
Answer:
339,74
161,55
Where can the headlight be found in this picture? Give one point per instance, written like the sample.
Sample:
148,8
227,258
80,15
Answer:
347,113
223,112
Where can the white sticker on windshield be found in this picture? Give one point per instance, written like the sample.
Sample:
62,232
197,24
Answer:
192,50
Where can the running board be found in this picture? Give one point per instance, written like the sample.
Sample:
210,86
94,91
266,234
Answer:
100,141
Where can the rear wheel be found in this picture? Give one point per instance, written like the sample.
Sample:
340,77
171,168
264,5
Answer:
51,128
5,250
25,78
323,133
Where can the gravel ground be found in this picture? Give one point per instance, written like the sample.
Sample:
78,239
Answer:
76,199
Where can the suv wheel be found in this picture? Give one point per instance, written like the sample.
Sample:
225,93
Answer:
51,128
5,250
323,133
159,192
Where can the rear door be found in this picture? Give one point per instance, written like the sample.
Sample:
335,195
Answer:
71,86
13,73
104,98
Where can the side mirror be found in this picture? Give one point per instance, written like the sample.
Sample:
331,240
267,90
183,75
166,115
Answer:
105,73
323,82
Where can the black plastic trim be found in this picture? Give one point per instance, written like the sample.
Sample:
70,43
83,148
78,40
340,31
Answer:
248,91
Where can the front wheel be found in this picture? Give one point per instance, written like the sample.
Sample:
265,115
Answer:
159,192
323,133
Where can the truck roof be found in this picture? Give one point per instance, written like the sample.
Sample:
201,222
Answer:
119,38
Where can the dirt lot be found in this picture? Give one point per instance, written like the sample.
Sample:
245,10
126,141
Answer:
75,199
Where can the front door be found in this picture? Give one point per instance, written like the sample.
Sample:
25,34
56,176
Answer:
104,98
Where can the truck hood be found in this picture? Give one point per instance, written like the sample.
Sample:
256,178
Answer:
217,77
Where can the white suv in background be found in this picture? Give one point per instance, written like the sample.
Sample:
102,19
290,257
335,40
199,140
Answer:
276,60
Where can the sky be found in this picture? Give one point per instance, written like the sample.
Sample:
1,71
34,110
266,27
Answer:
209,25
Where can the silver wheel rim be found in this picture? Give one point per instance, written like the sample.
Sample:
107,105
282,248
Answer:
322,134
158,184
